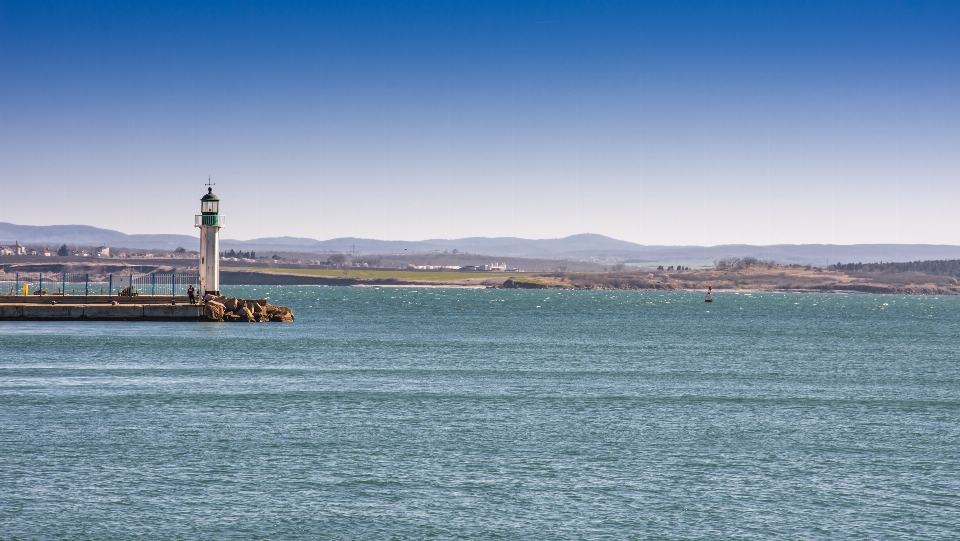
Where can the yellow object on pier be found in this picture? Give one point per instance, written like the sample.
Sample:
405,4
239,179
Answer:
26,290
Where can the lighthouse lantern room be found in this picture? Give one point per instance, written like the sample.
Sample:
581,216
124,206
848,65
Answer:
209,221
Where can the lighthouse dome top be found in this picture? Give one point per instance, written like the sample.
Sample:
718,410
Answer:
209,203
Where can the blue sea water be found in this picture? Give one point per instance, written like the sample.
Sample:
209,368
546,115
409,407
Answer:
390,413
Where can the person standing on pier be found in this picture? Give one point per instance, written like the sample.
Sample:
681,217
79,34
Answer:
192,293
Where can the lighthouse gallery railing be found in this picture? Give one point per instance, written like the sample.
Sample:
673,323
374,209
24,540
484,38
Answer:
208,219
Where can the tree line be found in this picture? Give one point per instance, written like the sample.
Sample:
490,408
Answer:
943,267
738,263
241,255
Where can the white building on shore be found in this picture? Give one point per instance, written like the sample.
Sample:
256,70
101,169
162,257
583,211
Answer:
15,249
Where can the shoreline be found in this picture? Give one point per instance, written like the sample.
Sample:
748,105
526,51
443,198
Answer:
757,279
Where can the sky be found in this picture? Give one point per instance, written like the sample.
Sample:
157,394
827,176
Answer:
663,123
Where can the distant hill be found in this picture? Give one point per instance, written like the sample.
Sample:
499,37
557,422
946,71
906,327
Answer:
85,235
590,245
584,245
574,246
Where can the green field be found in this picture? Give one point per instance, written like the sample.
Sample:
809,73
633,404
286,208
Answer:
399,274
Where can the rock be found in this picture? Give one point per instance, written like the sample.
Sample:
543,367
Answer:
279,314
510,283
234,309
209,297
214,311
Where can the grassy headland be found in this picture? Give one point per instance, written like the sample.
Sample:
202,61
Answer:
396,274
764,277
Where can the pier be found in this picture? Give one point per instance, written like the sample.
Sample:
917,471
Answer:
98,308
142,297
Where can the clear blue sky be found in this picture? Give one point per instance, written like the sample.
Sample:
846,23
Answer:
655,122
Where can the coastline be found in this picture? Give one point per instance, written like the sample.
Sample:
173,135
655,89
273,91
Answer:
800,280
767,279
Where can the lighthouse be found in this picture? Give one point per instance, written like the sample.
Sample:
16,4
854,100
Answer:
209,221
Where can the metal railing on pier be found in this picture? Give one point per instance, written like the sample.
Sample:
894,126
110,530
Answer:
122,284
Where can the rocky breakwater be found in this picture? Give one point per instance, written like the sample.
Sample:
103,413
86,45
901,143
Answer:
233,309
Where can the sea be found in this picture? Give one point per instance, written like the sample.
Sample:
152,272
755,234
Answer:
433,413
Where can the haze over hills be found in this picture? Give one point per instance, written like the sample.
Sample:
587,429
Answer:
85,235
584,245
575,246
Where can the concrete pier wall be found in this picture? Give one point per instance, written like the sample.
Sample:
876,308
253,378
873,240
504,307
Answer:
128,312
92,299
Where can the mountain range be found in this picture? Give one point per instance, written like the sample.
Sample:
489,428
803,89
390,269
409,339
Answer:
574,246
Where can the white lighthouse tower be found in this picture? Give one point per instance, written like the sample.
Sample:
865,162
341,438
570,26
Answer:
209,221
